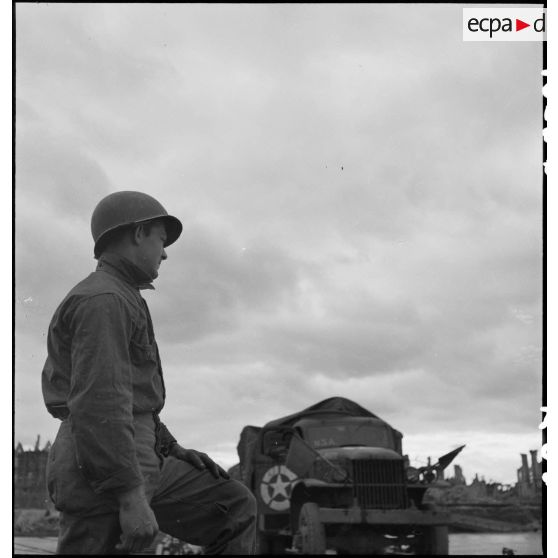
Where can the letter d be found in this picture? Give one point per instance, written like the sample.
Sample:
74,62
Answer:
536,24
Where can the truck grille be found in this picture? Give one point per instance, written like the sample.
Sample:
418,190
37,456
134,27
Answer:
379,484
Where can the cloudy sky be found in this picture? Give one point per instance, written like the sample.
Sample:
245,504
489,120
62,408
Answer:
362,206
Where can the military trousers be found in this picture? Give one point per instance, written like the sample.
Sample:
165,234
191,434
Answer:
188,503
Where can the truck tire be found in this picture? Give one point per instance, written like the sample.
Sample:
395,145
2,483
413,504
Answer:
312,530
437,541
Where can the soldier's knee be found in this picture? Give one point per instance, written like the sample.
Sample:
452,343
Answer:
245,499
248,498
251,503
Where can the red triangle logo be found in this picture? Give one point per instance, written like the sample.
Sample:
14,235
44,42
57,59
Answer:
519,25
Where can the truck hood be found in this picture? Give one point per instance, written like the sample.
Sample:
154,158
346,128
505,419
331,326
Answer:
358,452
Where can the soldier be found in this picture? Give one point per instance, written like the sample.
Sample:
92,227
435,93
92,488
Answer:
115,472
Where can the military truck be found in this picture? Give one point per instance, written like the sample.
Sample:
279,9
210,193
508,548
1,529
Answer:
332,478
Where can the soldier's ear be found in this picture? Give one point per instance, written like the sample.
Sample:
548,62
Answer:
138,234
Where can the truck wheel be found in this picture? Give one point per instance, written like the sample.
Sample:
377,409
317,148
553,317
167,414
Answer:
437,541
312,530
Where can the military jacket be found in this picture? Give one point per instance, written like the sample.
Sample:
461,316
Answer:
103,372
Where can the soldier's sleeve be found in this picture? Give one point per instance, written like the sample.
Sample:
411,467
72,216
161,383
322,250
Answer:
101,394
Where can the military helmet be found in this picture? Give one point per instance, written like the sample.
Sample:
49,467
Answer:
121,209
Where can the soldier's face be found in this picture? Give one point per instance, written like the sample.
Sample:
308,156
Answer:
151,249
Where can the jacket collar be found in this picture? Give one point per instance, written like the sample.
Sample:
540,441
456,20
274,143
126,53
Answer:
123,268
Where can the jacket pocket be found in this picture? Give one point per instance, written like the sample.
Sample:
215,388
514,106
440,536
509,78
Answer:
140,353
67,486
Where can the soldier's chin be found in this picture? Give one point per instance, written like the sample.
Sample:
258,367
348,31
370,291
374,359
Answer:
152,272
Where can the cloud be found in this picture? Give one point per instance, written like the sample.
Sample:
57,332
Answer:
361,199
217,284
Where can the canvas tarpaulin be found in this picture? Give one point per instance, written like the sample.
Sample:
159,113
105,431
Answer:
327,407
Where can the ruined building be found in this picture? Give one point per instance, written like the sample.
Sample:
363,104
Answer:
30,489
458,478
529,476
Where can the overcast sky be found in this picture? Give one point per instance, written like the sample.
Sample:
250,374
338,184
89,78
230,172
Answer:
361,194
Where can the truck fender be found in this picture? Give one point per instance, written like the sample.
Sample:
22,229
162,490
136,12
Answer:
309,490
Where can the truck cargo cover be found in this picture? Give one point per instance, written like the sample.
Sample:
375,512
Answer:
327,407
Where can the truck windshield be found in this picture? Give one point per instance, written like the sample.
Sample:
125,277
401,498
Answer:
349,435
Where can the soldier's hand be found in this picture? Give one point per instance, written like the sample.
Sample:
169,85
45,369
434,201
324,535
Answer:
199,460
137,521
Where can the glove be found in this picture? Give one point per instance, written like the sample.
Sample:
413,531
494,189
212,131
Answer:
199,460
137,521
